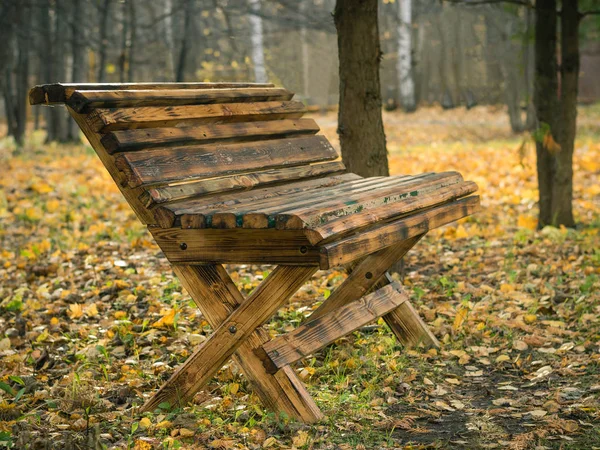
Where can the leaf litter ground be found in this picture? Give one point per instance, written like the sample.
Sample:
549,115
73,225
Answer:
92,318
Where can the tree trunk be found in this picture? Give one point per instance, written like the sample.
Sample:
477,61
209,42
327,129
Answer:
258,48
546,102
180,73
528,58
407,85
360,123
22,73
305,51
103,41
562,187
57,117
77,50
124,44
132,41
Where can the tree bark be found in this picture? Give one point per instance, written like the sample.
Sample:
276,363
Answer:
103,41
546,102
405,73
77,51
360,123
258,46
183,53
132,41
562,187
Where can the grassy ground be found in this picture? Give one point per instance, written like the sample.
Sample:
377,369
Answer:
92,318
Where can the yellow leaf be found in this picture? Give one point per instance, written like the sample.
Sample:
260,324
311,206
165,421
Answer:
461,232
527,222
529,318
75,311
301,439
167,320
234,388
91,310
145,423
461,315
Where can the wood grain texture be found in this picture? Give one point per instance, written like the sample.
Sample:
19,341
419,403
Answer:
130,140
160,166
335,229
243,182
210,356
131,195
199,211
311,215
48,94
326,329
105,120
364,276
83,101
347,250
241,246
216,296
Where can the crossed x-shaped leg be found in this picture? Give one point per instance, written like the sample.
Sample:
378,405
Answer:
237,328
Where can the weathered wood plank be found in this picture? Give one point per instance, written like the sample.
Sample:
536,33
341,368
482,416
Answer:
209,357
129,140
164,165
364,276
346,250
241,246
370,273
320,332
309,216
82,101
131,195
263,214
105,120
216,296
199,210
338,228
60,92
243,182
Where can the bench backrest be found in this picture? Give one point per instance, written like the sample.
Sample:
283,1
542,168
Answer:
169,142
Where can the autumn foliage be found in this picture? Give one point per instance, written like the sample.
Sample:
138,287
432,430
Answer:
92,318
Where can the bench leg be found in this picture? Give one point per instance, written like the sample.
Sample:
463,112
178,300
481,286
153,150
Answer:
371,273
219,300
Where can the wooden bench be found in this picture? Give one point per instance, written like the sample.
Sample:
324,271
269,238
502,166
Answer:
231,173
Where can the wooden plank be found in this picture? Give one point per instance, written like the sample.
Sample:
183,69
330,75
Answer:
164,165
209,357
82,101
216,296
231,214
194,210
338,228
131,195
309,216
60,92
347,250
369,273
364,276
320,332
129,140
263,214
241,246
243,182
105,120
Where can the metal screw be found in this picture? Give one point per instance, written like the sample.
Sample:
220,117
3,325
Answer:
303,249
233,329
183,246
368,275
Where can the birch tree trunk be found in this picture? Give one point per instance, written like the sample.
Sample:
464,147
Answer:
407,85
256,38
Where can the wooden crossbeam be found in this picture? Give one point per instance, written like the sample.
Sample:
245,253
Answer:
209,357
344,251
404,321
216,295
322,331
